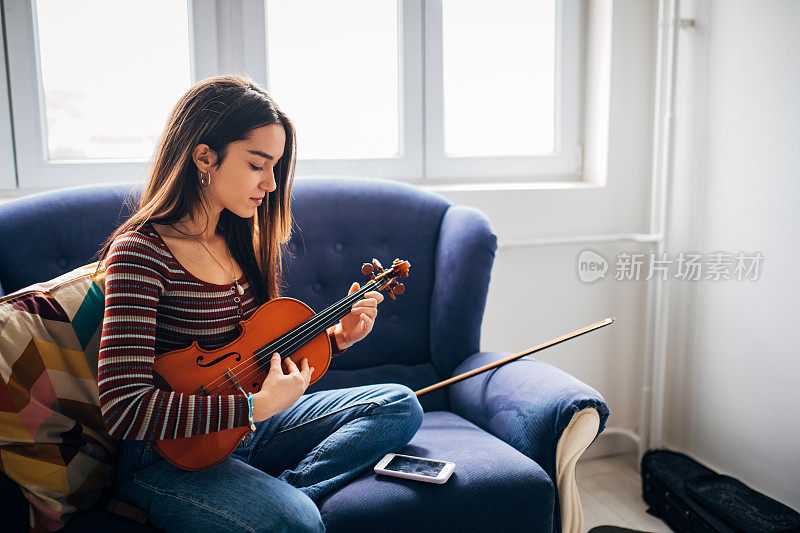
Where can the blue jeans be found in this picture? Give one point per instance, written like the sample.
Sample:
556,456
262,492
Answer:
272,479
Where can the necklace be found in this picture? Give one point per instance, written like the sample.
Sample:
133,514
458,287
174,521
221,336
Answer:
239,288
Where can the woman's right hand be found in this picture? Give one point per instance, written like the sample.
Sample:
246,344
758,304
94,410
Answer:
281,390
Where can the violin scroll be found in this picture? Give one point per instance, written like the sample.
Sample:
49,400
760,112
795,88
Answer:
399,269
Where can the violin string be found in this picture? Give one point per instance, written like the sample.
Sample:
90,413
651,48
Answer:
295,342
286,345
305,332
335,311
281,341
280,345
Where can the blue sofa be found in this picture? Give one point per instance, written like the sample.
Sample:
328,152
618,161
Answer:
514,433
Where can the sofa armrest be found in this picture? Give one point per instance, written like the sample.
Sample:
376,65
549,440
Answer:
531,405
578,435
527,403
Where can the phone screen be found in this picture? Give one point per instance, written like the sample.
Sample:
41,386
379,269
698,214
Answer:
411,465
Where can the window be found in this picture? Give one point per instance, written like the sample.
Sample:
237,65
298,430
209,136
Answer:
351,78
91,96
502,90
336,74
498,78
470,93
107,90
419,90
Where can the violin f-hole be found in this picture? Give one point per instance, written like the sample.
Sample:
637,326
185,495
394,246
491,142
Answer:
218,359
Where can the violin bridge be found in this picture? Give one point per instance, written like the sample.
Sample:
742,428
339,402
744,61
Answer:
232,378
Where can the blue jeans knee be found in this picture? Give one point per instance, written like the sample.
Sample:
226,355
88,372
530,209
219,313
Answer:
404,402
297,513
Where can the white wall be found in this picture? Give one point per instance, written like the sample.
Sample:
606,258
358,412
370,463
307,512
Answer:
733,360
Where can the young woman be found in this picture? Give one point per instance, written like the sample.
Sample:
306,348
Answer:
201,253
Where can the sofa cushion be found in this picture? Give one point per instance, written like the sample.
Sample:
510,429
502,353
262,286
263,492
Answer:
53,442
493,488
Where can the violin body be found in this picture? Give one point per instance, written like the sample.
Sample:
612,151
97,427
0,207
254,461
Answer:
190,370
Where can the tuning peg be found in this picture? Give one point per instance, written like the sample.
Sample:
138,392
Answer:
399,288
367,269
377,265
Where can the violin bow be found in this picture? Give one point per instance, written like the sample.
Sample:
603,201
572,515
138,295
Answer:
501,362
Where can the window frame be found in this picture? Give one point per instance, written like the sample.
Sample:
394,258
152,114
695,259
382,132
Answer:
8,170
230,36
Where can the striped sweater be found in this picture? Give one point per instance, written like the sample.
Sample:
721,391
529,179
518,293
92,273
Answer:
152,306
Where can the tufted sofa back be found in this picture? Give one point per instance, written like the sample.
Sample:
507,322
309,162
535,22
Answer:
48,234
343,223
339,224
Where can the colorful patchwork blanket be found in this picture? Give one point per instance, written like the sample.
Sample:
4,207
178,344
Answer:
53,442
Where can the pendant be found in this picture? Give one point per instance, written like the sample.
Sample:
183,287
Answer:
239,289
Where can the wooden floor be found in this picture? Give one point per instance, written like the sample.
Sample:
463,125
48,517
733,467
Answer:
611,494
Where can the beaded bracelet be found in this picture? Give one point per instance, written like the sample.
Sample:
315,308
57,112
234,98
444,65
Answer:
249,397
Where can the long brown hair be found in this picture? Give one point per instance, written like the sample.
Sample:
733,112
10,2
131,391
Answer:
218,111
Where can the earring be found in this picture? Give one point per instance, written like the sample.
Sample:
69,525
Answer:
205,181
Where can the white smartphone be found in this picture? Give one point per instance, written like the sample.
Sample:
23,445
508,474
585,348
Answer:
418,468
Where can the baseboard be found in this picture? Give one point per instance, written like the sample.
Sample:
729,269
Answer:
608,445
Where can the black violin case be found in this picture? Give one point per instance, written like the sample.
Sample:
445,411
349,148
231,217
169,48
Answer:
690,497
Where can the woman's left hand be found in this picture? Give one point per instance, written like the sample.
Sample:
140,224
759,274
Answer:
359,321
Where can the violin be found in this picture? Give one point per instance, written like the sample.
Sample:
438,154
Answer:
284,325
